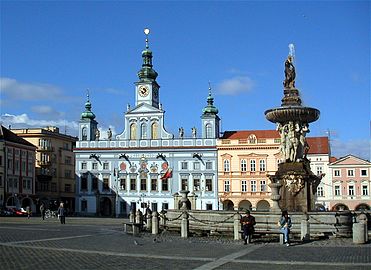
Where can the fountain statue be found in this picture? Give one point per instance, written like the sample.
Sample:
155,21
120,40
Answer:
294,184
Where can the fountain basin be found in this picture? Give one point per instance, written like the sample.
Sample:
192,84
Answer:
285,114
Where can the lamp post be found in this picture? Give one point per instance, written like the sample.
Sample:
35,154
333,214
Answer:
141,201
116,189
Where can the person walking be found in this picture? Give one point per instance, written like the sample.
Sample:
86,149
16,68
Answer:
28,211
285,225
42,211
62,213
248,222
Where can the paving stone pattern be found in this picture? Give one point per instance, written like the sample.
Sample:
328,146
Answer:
97,243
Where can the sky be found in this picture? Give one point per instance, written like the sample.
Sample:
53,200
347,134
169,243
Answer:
52,51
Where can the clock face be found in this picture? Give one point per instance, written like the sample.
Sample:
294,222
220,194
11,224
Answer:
143,91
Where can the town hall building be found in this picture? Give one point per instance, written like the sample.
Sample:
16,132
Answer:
145,165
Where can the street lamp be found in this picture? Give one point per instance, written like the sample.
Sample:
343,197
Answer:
141,201
116,189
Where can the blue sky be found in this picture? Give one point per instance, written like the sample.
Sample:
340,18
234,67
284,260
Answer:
51,52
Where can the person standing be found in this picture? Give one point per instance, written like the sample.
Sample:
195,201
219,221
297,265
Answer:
62,213
28,211
42,211
248,222
285,225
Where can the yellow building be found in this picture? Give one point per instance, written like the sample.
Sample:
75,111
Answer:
55,165
245,158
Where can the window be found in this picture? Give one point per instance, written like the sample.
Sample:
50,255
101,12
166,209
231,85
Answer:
84,205
165,206
364,190
143,131
154,184
94,183
83,166
1,160
133,131
53,187
320,192
154,207
165,185
244,186
17,165
209,206
196,166
105,183
184,165
94,166
263,186
105,166
262,165
209,165
351,190
252,165
84,134
226,165
67,188
208,131
363,172
196,183
133,184
243,165
143,184
154,132
67,174
123,183
1,180
84,183
350,173
23,166
319,170
227,186
184,182
253,185
10,163
337,191
208,184
336,173
68,160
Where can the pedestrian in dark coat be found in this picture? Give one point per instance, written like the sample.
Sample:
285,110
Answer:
62,213
248,222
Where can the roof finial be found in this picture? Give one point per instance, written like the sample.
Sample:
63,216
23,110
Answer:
209,88
87,94
146,32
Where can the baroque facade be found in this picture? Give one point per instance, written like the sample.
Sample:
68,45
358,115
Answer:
145,165
55,166
247,157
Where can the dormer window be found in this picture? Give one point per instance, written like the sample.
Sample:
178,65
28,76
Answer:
252,139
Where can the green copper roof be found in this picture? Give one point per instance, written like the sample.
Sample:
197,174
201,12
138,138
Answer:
88,114
147,73
210,108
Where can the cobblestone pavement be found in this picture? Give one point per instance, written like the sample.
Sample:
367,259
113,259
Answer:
97,243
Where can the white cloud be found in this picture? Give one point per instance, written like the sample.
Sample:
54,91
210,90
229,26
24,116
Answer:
360,148
28,91
23,121
235,85
46,110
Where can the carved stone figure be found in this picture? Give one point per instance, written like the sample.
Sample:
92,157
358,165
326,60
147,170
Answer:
109,134
194,132
290,74
97,134
181,133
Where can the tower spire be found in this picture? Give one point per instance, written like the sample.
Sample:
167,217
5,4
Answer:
88,114
147,73
210,108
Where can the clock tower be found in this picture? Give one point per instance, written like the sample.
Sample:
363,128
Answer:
147,89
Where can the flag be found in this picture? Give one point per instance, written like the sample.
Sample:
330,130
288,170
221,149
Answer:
167,174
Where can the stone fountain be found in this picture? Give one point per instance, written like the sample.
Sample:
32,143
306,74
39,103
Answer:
294,185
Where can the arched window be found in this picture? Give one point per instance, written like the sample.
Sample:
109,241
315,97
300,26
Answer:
154,131
226,165
143,131
252,165
133,131
208,129
84,134
243,165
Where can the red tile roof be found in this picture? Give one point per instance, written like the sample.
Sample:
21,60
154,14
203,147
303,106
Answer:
318,145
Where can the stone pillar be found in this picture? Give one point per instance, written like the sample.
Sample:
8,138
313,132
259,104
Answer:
184,200
155,223
305,228
359,233
163,219
132,216
139,217
237,226
362,218
275,195
184,225
149,221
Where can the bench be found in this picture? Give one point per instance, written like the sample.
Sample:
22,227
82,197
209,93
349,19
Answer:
262,232
132,228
